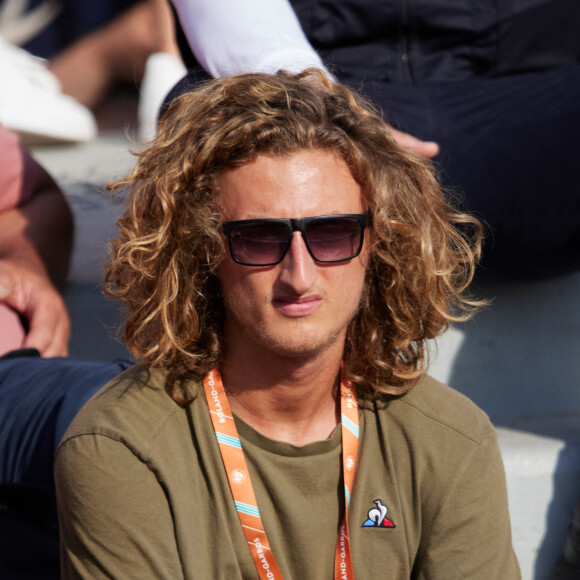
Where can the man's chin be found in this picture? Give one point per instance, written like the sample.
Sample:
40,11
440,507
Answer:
304,346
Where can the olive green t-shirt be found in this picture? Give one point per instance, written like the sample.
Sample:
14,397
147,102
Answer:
143,493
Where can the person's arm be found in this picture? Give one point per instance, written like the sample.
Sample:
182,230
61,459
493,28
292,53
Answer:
231,37
471,535
35,246
115,520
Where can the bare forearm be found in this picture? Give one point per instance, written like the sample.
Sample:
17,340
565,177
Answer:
40,233
35,244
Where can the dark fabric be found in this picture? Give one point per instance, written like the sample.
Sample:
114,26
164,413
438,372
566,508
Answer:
29,540
38,399
193,79
572,546
509,148
422,41
20,353
76,19
567,566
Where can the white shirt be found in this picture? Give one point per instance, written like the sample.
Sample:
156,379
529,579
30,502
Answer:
235,36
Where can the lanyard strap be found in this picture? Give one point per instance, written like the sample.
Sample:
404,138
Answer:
243,492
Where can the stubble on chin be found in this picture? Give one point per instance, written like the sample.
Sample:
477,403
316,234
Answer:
285,337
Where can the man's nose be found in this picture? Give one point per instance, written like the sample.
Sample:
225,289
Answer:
299,269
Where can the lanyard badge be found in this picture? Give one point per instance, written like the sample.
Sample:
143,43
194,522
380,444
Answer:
241,486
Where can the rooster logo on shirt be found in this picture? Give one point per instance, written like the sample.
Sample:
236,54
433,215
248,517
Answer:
377,517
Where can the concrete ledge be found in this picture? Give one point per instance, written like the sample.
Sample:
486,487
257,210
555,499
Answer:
542,463
519,361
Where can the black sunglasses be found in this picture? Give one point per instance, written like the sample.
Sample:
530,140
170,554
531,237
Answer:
265,242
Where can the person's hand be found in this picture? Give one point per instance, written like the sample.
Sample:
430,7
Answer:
28,290
405,140
425,148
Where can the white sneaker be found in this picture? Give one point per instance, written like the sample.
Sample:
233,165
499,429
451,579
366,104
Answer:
162,72
32,105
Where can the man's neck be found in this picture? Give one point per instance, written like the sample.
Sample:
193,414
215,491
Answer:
288,400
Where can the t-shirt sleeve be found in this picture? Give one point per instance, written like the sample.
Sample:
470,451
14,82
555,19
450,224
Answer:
115,520
17,171
471,535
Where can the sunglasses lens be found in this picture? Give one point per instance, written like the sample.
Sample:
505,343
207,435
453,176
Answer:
332,240
259,244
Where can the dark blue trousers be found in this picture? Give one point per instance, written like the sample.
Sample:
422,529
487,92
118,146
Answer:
38,399
510,149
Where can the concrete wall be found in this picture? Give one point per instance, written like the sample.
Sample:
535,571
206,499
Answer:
519,360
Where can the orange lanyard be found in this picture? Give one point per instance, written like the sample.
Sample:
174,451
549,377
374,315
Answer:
243,491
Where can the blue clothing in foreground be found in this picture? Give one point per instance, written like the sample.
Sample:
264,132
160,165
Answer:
39,397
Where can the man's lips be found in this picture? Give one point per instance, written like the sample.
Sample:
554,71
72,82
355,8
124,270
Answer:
296,307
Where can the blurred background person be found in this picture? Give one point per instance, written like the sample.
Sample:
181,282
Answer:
89,50
35,243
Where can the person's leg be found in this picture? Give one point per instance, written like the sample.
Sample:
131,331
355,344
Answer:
137,48
163,69
189,82
514,155
39,398
509,146
64,23
116,52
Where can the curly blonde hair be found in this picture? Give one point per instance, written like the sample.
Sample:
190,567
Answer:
164,262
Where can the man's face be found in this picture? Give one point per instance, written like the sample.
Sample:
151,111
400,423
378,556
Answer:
298,307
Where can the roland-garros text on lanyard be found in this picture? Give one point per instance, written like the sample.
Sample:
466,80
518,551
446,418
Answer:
241,486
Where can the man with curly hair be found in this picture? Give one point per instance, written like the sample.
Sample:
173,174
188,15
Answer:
282,263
